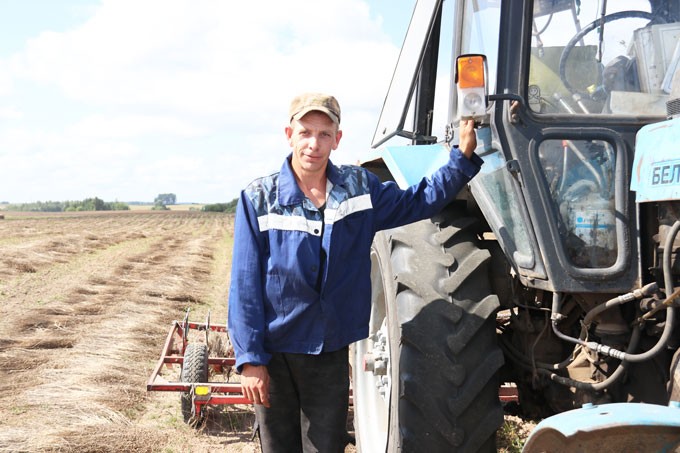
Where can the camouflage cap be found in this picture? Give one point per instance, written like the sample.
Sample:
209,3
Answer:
306,102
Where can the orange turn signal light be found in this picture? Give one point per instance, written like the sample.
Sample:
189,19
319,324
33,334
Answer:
471,71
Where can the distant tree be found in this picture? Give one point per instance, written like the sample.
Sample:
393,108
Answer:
94,204
119,206
229,207
214,207
165,199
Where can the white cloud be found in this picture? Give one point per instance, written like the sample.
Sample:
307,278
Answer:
210,56
192,86
19,141
133,125
10,113
6,84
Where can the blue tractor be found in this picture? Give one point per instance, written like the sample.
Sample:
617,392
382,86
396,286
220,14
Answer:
557,271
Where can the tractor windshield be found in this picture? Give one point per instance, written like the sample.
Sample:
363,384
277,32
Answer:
595,57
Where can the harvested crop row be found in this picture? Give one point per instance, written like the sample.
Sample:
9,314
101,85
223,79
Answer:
81,331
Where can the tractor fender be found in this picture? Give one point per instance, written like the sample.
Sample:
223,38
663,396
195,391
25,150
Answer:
611,427
409,164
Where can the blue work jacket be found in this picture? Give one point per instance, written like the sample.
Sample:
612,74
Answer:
300,279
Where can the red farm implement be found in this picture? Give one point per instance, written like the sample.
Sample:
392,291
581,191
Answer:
196,365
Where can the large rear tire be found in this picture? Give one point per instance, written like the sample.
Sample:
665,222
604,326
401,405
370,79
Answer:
194,369
426,378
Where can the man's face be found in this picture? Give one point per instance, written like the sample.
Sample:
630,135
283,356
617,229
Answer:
312,138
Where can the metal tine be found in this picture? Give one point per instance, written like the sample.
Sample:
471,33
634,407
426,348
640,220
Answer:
185,327
207,328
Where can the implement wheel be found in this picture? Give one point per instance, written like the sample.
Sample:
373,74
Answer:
426,378
194,369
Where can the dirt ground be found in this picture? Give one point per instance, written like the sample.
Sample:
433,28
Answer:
86,302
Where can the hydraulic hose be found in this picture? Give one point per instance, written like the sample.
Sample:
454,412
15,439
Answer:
530,363
645,291
545,370
598,386
670,310
556,316
628,356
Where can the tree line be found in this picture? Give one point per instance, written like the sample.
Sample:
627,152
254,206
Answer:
97,204
88,204
229,207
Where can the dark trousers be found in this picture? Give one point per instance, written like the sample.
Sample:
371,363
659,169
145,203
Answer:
309,397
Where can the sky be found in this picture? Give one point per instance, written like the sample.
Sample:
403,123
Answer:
128,99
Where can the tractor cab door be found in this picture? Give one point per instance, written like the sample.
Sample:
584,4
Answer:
575,80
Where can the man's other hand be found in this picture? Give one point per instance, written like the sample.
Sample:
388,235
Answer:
255,384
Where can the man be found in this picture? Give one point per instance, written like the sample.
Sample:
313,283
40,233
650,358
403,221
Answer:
300,289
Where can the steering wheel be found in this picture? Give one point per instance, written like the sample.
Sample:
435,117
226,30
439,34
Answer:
587,29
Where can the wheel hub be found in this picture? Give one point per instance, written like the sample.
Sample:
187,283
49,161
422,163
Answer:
377,362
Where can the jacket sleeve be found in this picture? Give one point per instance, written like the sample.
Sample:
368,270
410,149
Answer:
246,320
395,207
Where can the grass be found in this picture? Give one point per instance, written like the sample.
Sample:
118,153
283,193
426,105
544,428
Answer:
513,434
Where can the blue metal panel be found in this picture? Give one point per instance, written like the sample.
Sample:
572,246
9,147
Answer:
410,164
608,425
656,169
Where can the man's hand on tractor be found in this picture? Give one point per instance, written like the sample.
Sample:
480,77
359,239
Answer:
468,137
255,384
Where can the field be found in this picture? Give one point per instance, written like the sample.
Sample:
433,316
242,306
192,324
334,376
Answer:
86,301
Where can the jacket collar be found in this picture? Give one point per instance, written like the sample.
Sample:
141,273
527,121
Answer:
289,191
